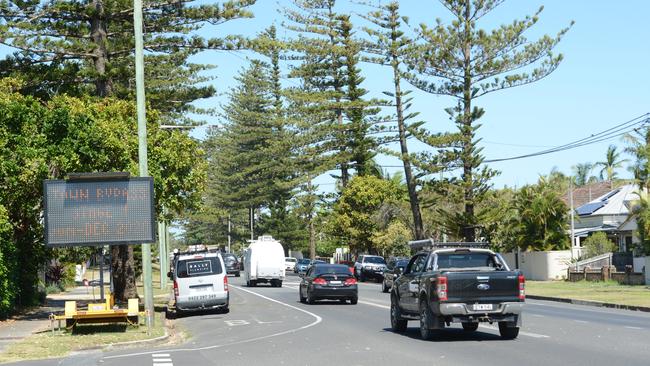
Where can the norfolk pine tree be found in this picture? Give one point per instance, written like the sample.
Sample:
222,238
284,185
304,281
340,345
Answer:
464,62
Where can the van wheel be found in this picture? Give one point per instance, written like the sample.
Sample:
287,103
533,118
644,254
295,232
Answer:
279,283
253,283
237,274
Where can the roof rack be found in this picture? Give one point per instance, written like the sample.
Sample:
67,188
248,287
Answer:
428,244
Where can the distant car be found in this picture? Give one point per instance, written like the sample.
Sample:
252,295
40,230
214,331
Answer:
369,266
314,262
290,263
394,268
232,264
328,281
301,265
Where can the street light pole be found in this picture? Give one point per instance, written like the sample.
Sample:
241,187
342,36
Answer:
142,152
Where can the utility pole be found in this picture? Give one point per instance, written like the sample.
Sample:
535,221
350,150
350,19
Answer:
229,234
572,223
142,153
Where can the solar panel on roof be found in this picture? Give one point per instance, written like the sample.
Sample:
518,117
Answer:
610,194
590,208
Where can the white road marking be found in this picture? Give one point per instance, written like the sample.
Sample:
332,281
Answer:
317,320
538,316
161,359
637,328
581,321
527,334
234,323
160,355
374,304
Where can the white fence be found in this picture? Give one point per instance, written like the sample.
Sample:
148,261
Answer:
541,266
638,264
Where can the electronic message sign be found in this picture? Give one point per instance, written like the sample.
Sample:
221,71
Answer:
99,212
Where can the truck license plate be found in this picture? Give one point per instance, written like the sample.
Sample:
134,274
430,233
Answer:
482,307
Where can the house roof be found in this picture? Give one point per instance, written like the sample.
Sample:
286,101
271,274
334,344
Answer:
586,193
613,202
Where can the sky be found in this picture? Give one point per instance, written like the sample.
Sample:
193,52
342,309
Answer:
603,81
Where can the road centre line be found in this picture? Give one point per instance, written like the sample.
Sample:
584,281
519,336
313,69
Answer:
317,320
636,328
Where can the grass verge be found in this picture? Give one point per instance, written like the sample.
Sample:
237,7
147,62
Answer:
85,336
609,291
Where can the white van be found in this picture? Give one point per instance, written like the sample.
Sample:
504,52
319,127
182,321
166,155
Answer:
264,262
200,282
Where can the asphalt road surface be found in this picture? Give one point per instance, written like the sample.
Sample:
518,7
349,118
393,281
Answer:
269,326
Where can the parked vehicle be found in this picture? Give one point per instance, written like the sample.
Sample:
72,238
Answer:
264,262
232,264
328,281
457,283
314,262
290,263
200,282
394,268
369,266
301,265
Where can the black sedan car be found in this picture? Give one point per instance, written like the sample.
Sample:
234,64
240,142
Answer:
328,282
232,264
394,268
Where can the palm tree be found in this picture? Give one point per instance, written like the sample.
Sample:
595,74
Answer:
611,163
581,172
638,147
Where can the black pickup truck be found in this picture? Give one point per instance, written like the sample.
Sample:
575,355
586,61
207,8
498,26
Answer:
461,284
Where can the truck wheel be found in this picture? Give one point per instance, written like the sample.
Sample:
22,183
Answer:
508,332
426,333
396,321
470,327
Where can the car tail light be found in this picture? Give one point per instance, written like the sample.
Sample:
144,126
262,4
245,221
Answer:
225,283
441,288
522,287
175,289
319,281
351,270
350,282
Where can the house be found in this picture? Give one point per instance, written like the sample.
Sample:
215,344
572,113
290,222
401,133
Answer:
611,213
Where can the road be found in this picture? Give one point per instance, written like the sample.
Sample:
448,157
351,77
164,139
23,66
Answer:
268,326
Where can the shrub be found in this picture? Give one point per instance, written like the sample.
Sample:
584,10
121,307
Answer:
597,244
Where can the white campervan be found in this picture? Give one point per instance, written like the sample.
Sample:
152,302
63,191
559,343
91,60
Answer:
264,262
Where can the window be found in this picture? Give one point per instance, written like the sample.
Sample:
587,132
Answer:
332,268
416,264
377,260
466,260
197,267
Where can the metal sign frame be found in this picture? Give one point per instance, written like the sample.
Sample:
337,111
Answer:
99,178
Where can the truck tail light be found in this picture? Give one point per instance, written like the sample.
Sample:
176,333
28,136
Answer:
522,287
225,283
320,281
175,289
350,282
441,288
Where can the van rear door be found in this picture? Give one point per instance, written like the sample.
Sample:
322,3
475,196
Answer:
199,275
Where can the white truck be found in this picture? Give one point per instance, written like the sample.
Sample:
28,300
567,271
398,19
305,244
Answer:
264,262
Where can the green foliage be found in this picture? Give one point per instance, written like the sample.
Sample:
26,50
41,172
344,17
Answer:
354,213
40,140
393,241
464,62
81,47
641,210
597,244
612,162
540,219
7,267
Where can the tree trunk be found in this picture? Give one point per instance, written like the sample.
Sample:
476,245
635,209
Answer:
468,134
312,234
408,173
103,83
123,272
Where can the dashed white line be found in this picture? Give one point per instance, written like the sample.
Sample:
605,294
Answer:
527,334
374,304
636,328
581,321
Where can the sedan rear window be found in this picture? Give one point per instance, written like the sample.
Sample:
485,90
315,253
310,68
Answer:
331,268
303,261
197,267
466,260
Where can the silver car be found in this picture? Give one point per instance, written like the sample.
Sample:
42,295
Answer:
200,282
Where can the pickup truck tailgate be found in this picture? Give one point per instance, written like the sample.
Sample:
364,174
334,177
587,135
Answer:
482,286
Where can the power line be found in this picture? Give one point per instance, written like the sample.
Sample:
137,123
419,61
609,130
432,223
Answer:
610,133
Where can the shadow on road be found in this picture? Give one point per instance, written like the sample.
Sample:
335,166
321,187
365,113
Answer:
450,335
